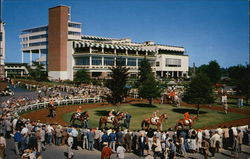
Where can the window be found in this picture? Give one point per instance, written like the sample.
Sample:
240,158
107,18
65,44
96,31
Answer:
74,25
74,33
157,63
82,61
170,62
108,61
1,36
131,62
39,43
38,36
96,60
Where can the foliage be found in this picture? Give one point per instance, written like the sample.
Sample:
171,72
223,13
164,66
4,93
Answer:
37,72
81,76
144,70
116,84
212,70
199,91
148,87
240,76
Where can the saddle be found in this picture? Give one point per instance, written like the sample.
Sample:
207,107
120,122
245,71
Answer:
188,121
154,120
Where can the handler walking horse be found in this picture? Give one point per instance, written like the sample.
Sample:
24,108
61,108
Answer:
116,121
148,121
52,111
183,122
83,118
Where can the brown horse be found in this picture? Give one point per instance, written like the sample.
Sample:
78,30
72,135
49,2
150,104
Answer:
148,121
52,111
82,117
183,123
116,121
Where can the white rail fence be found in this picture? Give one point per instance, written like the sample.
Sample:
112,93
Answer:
73,101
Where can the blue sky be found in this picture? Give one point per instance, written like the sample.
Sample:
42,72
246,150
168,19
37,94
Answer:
208,29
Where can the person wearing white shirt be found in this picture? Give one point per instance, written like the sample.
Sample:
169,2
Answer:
120,151
70,145
49,130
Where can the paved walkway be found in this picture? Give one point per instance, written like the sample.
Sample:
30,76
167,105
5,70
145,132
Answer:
58,152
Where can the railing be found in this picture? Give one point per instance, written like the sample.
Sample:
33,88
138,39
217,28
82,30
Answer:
57,103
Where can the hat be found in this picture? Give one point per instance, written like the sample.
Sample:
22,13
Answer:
105,143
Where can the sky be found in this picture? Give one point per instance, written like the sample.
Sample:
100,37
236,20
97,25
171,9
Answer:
207,29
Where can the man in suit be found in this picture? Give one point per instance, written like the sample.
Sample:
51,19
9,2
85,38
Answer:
128,141
142,144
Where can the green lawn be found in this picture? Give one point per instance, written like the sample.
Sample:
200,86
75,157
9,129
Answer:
141,111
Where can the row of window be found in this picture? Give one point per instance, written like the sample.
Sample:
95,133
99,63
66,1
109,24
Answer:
74,25
108,61
38,36
45,28
74,33
39,43
170,62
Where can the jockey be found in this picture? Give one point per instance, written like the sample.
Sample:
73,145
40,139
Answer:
187,117
155,117
51,102
78,111
111,115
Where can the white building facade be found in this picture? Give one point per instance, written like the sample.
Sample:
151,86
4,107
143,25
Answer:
63,49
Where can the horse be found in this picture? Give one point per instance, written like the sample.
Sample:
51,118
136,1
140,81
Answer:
183,123
83,118
52,111
116,121
148,121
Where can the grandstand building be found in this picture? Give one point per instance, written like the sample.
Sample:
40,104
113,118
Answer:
61,46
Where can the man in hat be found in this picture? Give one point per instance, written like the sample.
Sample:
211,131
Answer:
106,151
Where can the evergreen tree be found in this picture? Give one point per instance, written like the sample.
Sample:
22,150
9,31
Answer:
212,70
199,91
148,87
116,84
81,76
144,70
37,72
240,76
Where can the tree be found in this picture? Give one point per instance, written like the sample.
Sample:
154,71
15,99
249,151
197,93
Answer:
199,91
212,70
37,72
116,84
81,76
240,76
148,87
144,70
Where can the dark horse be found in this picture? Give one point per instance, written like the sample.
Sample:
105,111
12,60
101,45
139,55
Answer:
183,123
116,121
148,121
52,111
83,118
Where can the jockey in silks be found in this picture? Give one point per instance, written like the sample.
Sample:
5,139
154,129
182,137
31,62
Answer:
78,111
187,118
51,102
111,115
155,117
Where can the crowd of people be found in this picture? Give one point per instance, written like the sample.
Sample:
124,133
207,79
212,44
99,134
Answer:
31,138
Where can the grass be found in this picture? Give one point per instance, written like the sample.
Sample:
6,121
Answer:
141,111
